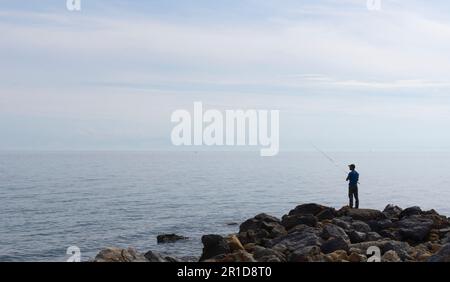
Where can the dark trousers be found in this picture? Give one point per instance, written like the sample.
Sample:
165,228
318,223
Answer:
353,192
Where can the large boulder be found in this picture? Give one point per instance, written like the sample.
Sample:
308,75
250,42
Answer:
414,228
301,236
214,245
304,209
410,211
260,229
343,222
379,225
334,244
392,211
443,255
357,237
361,226
119,255
290,221
307,254
363,214
333,231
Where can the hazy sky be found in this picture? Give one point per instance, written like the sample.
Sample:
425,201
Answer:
109,76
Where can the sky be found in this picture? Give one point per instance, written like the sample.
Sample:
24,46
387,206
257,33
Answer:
109,76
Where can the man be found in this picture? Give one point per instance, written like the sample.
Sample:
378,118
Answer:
353,178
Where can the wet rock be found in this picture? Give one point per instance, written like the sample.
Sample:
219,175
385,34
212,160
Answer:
334,244
410,211
290,221
214,245
343,223
390,256
119,255
169,238
443,255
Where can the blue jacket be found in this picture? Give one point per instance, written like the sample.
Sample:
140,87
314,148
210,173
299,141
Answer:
353,178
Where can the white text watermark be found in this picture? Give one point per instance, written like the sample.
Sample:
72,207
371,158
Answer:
231,128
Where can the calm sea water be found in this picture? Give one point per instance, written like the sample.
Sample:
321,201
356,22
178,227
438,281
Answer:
52,200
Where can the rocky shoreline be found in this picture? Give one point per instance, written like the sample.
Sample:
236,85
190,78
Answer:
316,233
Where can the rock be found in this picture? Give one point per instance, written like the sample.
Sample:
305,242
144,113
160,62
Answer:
337,256
392,211
379,225
439,221
443,255
357,237
290,221
262,226
258,236
342,223
304,209
169,238
119,255
238,256
231,223
364,214
328,213
234,243
402,249
410,211
361,226
307,254
334,244
262,254
331,230
154,257
214,245
373,236
392,234
356,257
390,256
414,228
301,236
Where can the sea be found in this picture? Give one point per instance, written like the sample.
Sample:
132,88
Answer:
50,201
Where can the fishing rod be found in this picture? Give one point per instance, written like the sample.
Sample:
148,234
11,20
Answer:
330,159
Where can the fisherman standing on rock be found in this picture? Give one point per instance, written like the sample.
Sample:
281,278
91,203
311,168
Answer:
353,178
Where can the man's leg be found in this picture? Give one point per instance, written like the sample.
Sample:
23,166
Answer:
350,197
355,193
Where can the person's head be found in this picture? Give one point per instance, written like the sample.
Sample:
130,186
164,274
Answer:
352,167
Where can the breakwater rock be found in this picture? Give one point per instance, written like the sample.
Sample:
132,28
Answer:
317,233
